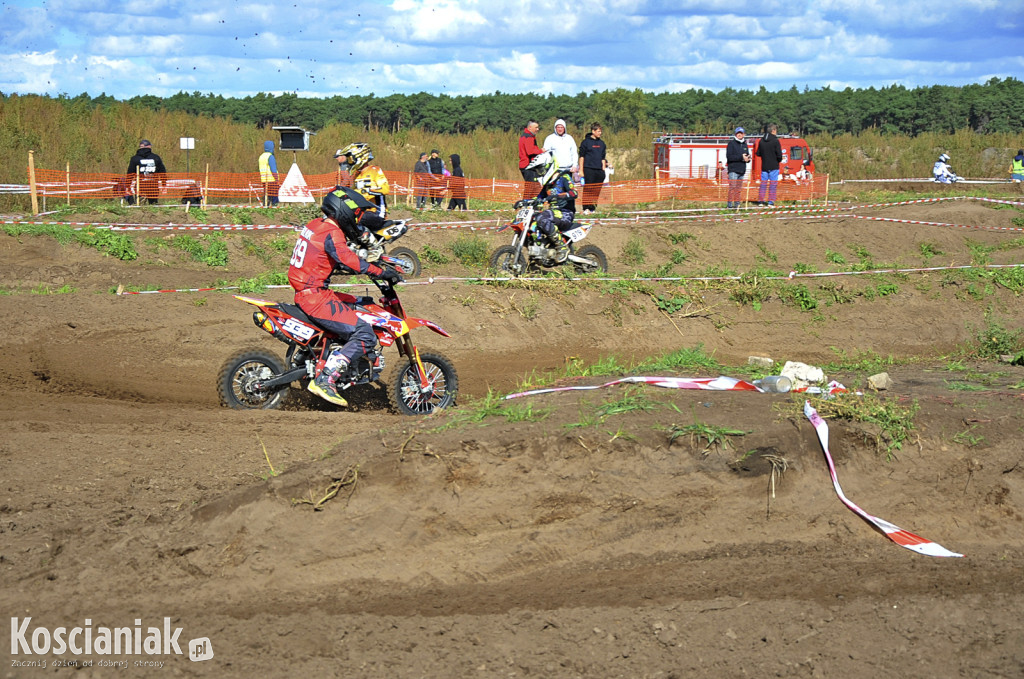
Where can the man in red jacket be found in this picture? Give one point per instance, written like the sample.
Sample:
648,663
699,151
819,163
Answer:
528,150
320,250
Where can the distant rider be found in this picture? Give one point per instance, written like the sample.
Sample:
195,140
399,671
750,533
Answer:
319,252
942,172
559,195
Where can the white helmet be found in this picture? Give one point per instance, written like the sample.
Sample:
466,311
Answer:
944,158
539,160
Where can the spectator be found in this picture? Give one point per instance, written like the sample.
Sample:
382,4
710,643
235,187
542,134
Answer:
457,184
421,181
437,168
343,167
592,153
770,152
1017,169
528,150
150,170
737,155
268,174
563,148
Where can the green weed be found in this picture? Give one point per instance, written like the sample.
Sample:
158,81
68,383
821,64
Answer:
682,360
471,250
434,256
715,437
634,252
892,423
834,257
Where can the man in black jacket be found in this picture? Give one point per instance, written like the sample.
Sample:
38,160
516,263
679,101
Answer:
770,151
737,155
150,170
592,158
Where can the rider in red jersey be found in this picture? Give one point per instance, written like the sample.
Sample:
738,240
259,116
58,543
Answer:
319,252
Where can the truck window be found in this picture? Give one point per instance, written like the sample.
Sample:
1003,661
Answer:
797,153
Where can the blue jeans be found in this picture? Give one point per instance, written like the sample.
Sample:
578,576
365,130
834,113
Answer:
735,189
770,181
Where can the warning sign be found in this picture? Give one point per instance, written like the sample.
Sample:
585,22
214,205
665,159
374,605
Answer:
294,189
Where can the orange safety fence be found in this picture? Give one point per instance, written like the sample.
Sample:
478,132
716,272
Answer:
235,188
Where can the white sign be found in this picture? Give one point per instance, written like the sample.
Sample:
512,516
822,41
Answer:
294,189
188,143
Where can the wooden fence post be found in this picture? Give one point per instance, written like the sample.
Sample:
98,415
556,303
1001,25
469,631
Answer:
67,181
206,187
32,182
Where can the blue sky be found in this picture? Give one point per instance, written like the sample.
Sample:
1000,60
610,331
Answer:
236,47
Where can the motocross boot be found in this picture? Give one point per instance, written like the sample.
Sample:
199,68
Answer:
324,385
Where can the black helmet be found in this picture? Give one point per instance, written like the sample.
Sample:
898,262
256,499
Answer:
344,205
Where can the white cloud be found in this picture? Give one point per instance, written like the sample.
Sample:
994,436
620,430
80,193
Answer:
232,47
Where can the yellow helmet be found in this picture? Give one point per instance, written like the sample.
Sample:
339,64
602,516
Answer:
357,155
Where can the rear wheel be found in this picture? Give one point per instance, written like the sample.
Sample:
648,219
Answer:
239,379
598,262
404,386
504,260
409,262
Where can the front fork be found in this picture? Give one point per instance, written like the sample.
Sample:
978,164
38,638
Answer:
408,349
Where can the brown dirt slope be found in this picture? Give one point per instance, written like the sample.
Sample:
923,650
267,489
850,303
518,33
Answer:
575,534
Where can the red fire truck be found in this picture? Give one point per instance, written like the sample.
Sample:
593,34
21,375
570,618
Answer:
702,156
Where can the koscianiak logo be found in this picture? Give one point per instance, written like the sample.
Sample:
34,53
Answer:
137,646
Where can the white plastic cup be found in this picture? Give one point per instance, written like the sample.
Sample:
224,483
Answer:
774,384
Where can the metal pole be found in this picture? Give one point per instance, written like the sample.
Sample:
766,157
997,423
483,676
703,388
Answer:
32,182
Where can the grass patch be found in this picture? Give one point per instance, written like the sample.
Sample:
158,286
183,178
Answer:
686,359
471,250
634,252
211,249
714,437
860,362
434,256
890,423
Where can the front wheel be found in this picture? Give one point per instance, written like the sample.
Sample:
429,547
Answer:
409,262
595,257
405,393
238,383
504,260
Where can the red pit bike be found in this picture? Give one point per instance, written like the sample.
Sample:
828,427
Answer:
530,250
419,383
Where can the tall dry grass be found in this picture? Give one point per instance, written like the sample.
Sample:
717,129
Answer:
103,139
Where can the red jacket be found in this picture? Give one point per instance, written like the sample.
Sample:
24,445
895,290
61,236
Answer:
319,250
528,148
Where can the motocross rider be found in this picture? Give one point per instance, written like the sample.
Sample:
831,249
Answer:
320,251
559,195
368,180
942,172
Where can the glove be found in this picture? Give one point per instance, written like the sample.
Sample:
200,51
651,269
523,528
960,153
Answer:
391,276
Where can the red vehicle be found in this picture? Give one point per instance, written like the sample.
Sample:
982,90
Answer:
700,156
419,383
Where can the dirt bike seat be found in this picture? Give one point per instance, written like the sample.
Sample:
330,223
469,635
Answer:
299,314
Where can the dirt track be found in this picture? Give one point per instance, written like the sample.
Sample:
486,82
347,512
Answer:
562,546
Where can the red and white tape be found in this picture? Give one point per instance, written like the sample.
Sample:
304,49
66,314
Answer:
893,532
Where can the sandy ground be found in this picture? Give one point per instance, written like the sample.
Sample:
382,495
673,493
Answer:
564,541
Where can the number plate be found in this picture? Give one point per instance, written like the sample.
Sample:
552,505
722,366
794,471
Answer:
579,233
300,330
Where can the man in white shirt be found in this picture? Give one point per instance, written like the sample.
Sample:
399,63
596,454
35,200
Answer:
563,148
